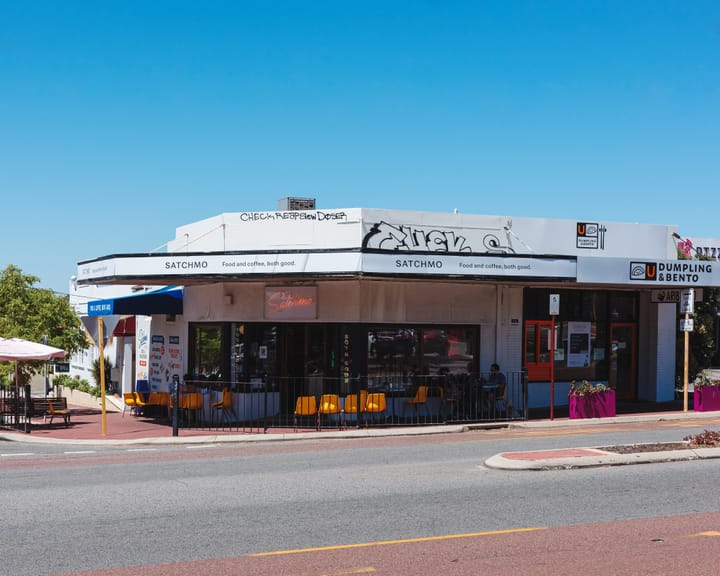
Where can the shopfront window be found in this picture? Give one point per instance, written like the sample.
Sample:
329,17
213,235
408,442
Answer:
392,356
206,345
582,331
399,355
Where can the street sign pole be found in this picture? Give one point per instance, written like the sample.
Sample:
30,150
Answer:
685,368
552,369
554,311
101,339
687,305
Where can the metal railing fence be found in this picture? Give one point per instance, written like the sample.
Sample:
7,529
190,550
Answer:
272,402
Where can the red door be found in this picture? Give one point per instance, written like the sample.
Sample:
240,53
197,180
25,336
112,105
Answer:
537,349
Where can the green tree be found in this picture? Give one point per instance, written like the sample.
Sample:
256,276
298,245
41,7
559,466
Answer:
107,368
29,312
701,341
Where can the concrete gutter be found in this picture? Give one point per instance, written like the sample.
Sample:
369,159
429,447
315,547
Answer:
240,438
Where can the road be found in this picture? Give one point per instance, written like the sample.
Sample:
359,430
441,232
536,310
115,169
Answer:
403,505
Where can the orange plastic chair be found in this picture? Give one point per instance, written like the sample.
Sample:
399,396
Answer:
129,403
420,399
157,399
329,405
351,402
191,403
305,406
225,405
140,403
376,403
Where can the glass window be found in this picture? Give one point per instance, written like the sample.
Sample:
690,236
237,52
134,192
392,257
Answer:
237,353
206,352
585,316
397,355
450,350
622,306
392,356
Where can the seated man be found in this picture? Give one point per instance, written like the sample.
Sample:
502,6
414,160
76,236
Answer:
492,387
496,377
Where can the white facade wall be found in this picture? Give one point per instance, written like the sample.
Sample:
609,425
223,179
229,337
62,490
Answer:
457,296
347,229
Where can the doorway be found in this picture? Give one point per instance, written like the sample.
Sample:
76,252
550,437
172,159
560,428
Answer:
537,349
622,372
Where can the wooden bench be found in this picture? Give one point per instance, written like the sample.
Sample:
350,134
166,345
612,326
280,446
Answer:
51,407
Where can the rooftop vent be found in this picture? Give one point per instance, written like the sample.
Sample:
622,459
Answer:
296,204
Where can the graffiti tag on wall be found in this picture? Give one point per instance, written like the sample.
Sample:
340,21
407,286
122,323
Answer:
391,237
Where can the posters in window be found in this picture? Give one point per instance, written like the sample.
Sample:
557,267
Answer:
578,344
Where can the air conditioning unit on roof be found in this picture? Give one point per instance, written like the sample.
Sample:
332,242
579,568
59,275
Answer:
296,204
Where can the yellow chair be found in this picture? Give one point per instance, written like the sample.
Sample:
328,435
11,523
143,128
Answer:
63,413
191,403
420,399
129,403
225,405
305,406
376,403
329,405
140,403
157,399
351,402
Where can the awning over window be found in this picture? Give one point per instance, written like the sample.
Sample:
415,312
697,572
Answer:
167,300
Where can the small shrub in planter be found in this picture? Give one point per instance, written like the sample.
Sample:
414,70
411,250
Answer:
586,400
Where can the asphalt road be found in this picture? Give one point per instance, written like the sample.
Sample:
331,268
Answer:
248,508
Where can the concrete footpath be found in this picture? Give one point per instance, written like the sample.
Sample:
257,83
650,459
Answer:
86,428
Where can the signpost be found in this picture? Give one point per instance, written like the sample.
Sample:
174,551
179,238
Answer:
554,311
687,304
101,345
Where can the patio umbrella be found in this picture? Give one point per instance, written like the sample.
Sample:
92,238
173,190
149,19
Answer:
19,349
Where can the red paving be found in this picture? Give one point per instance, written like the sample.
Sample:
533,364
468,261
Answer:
87,424
548,454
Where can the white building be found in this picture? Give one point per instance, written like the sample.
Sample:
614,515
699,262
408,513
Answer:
383,294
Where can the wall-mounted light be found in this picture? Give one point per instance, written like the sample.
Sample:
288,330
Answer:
228,299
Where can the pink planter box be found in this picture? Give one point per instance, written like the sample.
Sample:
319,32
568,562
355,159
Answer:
600,405
706,398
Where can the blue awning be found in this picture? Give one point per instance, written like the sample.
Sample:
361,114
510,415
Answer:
167,300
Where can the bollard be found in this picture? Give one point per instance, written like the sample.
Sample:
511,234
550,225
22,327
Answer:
28,395
176,405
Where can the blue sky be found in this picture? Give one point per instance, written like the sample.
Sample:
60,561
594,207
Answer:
121,120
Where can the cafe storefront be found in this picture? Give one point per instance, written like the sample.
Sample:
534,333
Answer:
311,302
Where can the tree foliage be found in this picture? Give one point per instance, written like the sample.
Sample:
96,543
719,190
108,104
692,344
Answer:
107,368
702,340
29,312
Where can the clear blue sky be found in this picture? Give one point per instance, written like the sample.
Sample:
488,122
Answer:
121,119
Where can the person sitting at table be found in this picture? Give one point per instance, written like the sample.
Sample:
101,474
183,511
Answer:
492,386
496,377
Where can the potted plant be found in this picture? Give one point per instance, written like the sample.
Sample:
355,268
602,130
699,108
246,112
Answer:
586,400
706,394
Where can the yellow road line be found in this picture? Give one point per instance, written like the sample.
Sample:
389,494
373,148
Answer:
389,542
